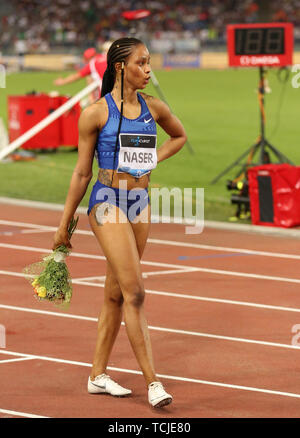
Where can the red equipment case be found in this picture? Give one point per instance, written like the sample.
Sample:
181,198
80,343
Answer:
69,124
274,193
24,112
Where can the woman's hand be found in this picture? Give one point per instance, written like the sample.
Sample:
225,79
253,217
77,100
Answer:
61,237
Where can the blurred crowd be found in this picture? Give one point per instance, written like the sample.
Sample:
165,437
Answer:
40,25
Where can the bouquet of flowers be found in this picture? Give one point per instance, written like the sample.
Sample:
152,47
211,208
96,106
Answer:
50,277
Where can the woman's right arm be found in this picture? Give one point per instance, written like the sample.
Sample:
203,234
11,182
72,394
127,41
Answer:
88,126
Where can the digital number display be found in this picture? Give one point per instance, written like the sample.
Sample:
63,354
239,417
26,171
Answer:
260,44
259,41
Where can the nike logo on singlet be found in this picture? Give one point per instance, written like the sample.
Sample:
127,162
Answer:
147,121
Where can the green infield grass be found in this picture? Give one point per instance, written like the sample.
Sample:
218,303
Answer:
219,110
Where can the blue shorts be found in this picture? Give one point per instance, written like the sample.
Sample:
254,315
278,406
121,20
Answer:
131,202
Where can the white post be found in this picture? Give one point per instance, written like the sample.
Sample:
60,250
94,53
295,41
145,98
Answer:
47,120
3,135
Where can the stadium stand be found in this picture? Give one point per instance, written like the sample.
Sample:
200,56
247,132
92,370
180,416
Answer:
46,25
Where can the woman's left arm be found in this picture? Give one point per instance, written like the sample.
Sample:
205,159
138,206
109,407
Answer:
173,127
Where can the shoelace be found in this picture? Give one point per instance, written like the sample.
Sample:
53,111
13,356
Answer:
156,386
106,377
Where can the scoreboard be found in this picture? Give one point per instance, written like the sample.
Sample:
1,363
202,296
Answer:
260,44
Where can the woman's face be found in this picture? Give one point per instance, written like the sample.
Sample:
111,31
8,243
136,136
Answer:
137,67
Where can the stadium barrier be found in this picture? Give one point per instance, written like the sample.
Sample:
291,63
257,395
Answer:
60,62
214,60
50,62
158,61
182,61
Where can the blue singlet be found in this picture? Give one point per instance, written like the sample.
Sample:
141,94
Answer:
105,146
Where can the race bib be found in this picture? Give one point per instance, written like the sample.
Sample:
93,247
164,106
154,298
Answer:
137,154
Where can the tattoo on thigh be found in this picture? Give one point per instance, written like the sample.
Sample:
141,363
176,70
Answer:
101,212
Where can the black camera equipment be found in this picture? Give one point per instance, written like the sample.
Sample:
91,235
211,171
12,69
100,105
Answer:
263,148
257,45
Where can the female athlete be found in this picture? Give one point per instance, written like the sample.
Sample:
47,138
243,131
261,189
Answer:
121,128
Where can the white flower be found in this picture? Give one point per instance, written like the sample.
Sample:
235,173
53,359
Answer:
59,257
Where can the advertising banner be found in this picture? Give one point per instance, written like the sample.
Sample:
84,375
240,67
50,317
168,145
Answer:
182,61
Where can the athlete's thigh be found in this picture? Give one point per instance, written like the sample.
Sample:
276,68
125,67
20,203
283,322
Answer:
119,246
141,227
141,232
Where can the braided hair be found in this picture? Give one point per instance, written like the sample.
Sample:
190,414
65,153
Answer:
118,52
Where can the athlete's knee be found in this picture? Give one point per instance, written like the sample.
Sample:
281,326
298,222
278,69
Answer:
116,300
135,296
114,296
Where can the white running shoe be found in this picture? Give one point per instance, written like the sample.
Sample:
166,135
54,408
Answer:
103,384
157,395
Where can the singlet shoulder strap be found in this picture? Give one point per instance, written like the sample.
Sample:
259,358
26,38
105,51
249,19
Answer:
112,107
108,99
143,104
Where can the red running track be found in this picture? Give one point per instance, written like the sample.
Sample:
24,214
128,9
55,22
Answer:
221,307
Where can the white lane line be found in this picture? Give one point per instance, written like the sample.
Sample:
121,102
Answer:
32,231
225,249
167,242
12,274
164,376
249,275
154,328
27,225
186,268
95,278
21,414
144,274
235,274
170,271
15,360
94,256
47,312
178,295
